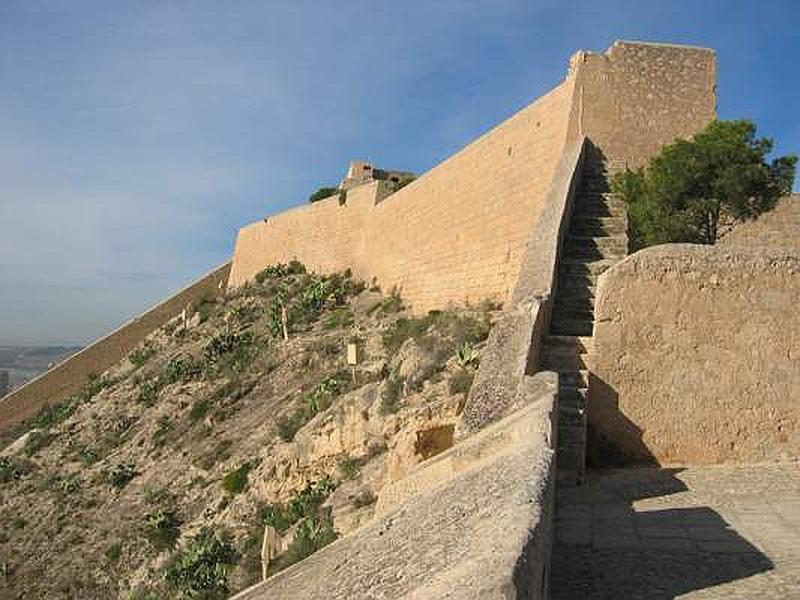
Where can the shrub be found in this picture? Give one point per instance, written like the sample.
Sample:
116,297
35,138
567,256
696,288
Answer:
12,469
404,181
140,355
364,498
121,475
467,356
205,307
339,318
36,440
162,529
201,569
313,533
199,410
322,193
220,452
390,397
404,329
225,343
114,552
350,467
149,389
162,431
692,186
235,482
181,368
304,504
460,382
289,426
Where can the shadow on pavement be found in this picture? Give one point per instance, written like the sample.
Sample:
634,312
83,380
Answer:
606,549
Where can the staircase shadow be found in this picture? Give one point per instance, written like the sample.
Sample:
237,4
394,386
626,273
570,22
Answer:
607,549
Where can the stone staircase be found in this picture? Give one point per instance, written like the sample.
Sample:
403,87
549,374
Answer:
596,239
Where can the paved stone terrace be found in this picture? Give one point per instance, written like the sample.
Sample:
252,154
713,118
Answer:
728,532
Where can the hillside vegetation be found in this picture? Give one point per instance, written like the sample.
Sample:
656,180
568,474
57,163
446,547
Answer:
157,479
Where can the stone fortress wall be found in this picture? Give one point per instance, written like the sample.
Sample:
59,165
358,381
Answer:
459,232
455,234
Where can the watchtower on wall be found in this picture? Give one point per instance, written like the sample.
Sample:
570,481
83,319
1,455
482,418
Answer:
362,172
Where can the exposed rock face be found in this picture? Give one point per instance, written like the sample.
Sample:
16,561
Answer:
696,356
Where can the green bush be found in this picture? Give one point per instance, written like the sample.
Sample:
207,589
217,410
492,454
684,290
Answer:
467,356
199,410
364,498
460,382
339,318
304,504
140,355
313,533
390,397
37,439
121,475
289,426
201,569
692,186
162,431
205,307
181,368
162,529
322,193
236,481
149,389
350,467
114,552
279,270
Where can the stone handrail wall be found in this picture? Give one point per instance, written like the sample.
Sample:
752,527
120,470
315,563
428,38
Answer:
478,522
696,356
68,376
515,342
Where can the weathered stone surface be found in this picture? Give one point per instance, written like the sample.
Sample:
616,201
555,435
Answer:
696,356
777,228
476,525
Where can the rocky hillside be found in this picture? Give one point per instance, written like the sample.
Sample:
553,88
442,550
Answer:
157,480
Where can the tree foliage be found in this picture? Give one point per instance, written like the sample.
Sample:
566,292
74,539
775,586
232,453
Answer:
322,193
694,186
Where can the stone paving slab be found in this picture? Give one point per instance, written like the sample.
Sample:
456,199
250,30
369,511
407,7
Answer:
700,532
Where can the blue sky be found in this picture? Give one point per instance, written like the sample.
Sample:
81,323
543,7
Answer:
137,137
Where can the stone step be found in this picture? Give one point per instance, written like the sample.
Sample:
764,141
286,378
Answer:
584,266
594,185
613,247
563,359
572,324
571,456
569,477
573,399
582,344
575,288
574,381
572,300
591,208
593,225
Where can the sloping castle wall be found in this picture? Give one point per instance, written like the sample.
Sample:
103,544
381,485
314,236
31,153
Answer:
459,232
